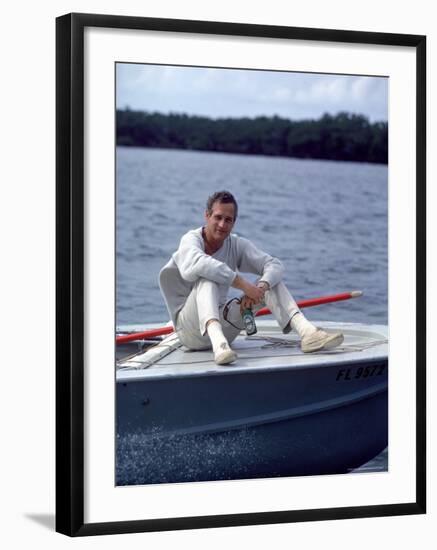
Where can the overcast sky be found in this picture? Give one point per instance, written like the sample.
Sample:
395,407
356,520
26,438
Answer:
236,93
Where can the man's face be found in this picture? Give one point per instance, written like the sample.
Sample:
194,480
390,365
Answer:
220,221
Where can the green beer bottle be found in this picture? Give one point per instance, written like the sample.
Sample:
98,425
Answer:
249,321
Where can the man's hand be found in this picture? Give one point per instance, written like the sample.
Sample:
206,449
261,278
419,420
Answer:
246,303
253,294
249,289
264,287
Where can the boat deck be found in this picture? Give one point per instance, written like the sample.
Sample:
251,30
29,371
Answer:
269,349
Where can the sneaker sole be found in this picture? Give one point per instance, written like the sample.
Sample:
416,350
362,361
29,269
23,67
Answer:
226,358
333,341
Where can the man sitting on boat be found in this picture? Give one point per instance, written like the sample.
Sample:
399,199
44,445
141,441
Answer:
196,280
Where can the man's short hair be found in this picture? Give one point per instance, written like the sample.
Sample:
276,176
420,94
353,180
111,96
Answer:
223,197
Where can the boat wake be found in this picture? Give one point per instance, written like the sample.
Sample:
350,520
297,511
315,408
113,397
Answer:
147,459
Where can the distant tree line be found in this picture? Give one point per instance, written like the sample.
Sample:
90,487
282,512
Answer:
344,136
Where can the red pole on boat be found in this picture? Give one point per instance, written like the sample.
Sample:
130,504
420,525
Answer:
318,301
152,333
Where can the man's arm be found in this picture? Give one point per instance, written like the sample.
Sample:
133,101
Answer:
254,260
193,263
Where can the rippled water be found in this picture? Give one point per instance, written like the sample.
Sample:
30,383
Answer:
326,221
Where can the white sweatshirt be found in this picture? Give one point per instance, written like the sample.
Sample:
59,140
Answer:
190,262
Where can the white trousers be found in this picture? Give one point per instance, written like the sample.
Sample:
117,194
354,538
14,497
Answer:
203,304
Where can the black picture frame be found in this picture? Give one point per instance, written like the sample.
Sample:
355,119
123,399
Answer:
70,272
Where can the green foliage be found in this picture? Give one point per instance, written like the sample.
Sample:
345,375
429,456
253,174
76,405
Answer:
344,136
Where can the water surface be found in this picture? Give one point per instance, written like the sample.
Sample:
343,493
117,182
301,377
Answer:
326,221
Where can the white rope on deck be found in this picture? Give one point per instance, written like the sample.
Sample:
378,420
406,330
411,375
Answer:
275,342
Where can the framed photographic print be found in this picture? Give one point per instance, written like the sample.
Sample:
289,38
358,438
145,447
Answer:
240,274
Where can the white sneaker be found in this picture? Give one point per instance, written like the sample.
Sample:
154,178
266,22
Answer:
224,355
321,340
